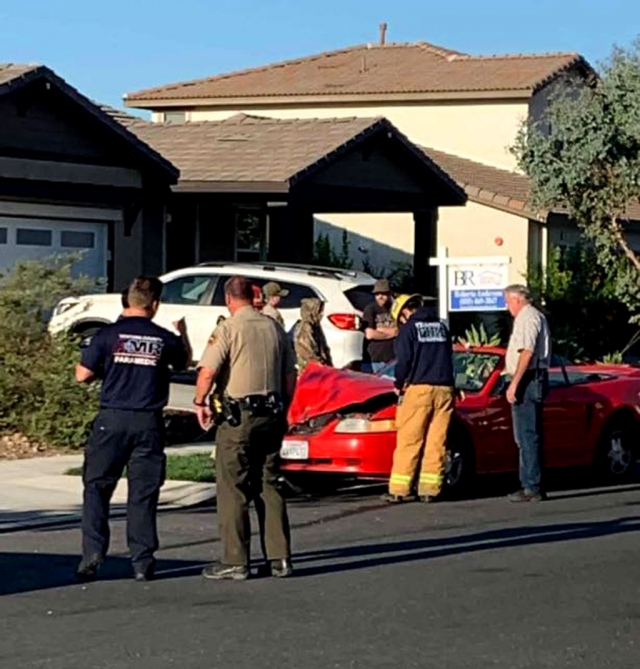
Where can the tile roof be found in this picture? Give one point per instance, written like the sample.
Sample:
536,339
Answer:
12,71
487,185
121,116
495,187
249,148
405,69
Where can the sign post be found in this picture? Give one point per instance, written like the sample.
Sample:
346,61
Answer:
474,283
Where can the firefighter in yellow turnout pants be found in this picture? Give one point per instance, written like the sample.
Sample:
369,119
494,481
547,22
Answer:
425,386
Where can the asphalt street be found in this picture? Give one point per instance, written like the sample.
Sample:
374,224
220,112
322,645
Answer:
477,583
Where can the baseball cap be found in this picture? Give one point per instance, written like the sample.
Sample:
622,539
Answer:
272,289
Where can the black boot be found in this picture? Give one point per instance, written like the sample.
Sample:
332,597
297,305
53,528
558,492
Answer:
88,567
143,574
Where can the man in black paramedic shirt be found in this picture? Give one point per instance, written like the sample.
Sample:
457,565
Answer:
133,358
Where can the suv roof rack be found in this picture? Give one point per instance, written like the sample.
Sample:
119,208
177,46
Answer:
314,270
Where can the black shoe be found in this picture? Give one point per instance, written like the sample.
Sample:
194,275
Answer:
88,567
220,572
389,498
142,575
527,496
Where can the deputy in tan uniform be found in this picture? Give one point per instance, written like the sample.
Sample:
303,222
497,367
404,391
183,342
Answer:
253,366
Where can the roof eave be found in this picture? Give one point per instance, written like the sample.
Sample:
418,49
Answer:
456,195
527,213
523,94
205,186
43,72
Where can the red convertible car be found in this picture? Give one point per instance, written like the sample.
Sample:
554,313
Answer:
342,422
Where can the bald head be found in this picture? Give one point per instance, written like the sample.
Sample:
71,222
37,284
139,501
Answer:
238,293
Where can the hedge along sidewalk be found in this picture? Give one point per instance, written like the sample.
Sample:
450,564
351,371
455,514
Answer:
36,492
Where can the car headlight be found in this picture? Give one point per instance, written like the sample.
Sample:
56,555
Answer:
63,306
362,425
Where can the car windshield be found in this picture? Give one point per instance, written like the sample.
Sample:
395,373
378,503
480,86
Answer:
472,369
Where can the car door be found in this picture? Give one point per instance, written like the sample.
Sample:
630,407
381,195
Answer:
189,297
566,413
497,450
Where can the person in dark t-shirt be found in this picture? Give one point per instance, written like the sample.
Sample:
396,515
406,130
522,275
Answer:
133,358
379,328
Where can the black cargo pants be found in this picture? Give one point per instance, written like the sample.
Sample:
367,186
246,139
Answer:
119,438
247,471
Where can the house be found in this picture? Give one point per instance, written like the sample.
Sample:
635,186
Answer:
249,187
138,197
73,179
463,110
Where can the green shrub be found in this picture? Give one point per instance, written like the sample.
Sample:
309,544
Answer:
479,337
39,396
324,254
579,296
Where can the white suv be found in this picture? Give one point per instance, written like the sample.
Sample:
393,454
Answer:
197,294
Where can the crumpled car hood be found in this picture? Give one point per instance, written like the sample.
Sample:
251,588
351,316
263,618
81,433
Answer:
322,390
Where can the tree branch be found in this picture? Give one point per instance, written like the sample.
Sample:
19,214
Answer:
616,229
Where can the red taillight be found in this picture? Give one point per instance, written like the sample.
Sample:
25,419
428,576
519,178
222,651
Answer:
345,321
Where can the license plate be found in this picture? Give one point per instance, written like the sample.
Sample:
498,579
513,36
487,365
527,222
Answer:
294,450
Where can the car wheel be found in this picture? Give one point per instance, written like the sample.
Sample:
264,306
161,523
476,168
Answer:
617,452
459,470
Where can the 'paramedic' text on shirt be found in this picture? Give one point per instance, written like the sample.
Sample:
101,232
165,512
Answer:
138,350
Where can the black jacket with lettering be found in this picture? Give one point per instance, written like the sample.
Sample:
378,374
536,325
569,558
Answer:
424,352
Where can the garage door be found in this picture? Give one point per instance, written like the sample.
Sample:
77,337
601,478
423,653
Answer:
36,239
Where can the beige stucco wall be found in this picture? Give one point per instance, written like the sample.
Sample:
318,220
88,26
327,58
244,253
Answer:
480,131
465,231
472,231
380,239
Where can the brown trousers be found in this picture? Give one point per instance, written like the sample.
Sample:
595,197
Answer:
422,421
247,458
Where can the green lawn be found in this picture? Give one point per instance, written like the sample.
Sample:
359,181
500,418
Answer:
194,467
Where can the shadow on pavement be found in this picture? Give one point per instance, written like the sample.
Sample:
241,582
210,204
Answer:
26,572
377,555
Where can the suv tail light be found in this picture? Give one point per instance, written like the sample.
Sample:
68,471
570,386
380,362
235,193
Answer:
345,321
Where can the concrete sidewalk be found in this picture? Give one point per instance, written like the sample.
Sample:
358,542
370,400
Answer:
36,491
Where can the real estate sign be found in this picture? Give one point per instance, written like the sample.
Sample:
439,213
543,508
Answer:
471,283
477,287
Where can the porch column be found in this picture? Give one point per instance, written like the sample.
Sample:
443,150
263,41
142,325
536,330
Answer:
217,230
290,235
424,247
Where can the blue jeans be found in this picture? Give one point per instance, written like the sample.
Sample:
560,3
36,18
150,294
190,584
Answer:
372,367
527,428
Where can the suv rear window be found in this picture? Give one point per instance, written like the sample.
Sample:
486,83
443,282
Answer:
297,292
360,296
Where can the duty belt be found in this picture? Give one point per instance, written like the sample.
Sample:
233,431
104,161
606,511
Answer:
255,405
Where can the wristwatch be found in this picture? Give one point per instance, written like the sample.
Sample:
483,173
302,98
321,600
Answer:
199,404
